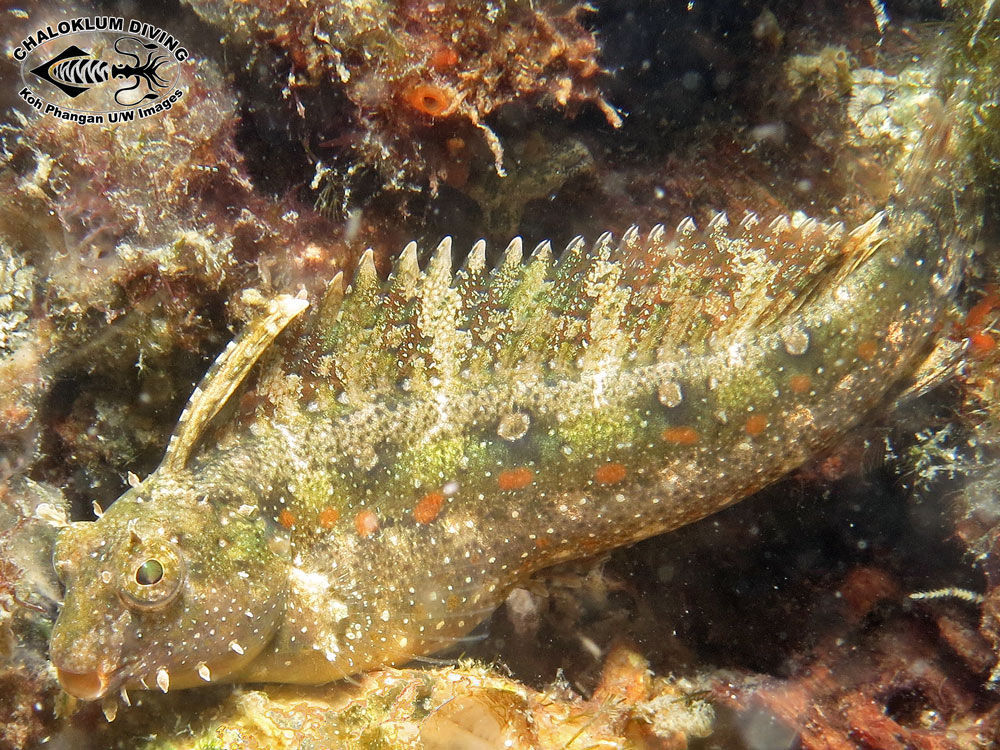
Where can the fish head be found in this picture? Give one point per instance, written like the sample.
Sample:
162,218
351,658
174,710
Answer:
165,590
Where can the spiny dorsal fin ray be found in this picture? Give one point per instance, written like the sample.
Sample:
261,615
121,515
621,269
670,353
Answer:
438,305
599,305
521,330
225,376
850,252
403,281
358,327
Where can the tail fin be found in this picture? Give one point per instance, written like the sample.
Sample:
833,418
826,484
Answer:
939,171
935,208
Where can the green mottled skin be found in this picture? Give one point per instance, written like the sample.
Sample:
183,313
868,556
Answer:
491,425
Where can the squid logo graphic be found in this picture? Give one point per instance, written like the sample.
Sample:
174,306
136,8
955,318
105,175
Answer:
74,71
100,69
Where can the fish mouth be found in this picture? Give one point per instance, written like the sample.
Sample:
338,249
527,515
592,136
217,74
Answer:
86,686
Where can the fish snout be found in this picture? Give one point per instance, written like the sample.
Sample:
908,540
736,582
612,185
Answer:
86,686
87,667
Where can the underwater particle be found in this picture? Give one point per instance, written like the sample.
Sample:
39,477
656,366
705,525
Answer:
767,29
163,680
513,426
669,393
429,507
796,340
760,728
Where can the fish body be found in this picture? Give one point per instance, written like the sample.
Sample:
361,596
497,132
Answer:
415,448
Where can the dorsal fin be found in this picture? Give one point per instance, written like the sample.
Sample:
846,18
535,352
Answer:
224,377
610,303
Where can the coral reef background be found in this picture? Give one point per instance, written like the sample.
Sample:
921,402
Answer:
128,257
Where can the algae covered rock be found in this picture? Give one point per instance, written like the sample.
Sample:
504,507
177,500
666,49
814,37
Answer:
467,706
31,515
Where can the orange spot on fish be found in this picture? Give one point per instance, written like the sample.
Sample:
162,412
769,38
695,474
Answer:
868,349
328,517
756,424
800,383
366,523
681,435
515,479
611,473
286,519
542,543
428,508
981,344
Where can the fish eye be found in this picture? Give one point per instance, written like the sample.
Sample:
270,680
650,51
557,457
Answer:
149,573
152,574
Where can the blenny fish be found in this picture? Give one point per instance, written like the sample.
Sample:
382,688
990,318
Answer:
412,449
